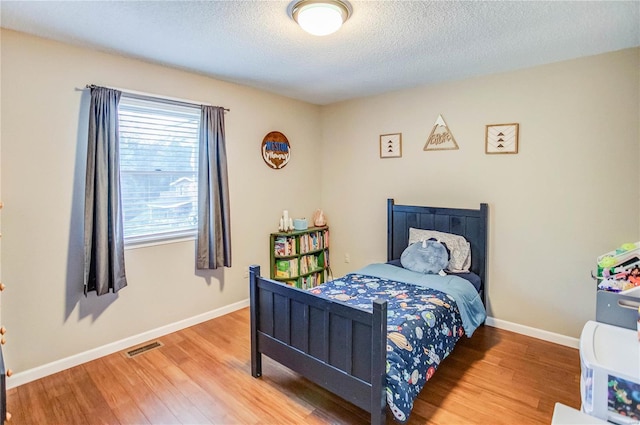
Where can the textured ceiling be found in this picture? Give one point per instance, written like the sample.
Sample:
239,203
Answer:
384,46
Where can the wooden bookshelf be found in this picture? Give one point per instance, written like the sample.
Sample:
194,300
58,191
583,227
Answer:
300,258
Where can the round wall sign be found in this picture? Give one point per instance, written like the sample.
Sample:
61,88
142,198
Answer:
276,150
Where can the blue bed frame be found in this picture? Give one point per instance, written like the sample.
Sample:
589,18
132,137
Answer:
342,348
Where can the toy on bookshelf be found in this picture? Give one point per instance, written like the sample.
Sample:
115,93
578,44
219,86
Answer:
286,222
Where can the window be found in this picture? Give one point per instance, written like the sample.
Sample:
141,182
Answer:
158,168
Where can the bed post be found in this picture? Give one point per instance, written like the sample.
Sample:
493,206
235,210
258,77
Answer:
484,212
390,229
256,356
378,363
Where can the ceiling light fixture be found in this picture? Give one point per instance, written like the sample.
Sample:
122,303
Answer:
320,17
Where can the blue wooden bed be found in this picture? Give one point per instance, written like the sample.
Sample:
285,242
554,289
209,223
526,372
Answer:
339,347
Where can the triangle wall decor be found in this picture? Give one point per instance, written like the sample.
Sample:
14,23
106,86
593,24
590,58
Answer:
441,137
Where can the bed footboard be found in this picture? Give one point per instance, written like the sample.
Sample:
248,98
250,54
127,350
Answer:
340,348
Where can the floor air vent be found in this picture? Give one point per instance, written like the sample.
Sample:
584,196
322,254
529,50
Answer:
143,349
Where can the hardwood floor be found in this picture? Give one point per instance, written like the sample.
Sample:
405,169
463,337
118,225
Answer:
202,376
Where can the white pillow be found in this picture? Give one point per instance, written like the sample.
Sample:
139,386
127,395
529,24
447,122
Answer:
460,248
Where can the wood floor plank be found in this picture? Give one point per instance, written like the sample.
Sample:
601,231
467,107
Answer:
65,407
67,411
143,396
202,375
14,407
129,413
230,400
37,407
86,392
211,408
88,406
111,390
149,369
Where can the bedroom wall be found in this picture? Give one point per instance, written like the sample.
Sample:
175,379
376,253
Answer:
569,195
43,139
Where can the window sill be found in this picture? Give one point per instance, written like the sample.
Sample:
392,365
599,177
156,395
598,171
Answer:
148,242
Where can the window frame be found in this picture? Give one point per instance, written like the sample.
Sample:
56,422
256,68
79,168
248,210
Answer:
159,237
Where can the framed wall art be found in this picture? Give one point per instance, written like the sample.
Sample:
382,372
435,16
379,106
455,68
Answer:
391,145
501,138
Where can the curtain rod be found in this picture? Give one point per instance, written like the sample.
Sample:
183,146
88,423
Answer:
145,96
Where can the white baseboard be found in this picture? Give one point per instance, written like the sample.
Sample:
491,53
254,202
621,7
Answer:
533,332
80,358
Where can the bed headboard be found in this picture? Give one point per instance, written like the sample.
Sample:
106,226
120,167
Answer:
472,224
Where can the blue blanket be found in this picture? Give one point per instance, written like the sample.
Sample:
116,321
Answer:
469,301
426,315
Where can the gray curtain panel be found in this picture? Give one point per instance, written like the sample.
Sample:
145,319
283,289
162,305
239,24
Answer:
214,228
103,228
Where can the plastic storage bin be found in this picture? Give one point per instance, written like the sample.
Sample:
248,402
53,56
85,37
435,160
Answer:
610,378
618,308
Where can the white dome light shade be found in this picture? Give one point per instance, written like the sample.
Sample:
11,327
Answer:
320,17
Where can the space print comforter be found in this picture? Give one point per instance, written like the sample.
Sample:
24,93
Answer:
426,315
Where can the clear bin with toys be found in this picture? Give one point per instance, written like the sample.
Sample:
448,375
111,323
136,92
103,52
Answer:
619,270
618,296
610,373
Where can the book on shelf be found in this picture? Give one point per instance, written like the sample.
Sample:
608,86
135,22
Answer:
286,268
308,263
310,281
310,242
314,241
304,245
284,245
279,247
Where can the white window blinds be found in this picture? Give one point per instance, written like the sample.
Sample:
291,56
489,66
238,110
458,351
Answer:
158,169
